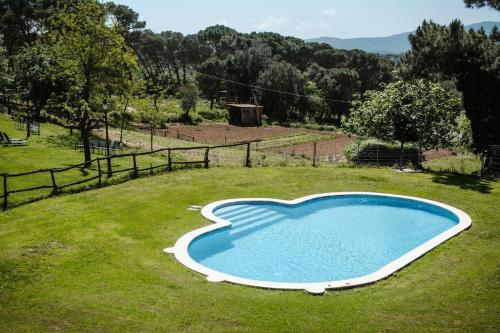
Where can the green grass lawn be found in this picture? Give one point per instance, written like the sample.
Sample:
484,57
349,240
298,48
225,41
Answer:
54,148
93,261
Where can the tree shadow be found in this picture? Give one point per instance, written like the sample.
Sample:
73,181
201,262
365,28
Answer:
474,183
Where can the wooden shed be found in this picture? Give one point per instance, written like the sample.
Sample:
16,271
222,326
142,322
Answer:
245,115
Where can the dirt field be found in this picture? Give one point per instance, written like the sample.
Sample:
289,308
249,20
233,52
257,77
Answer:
436,154
334,148
220,134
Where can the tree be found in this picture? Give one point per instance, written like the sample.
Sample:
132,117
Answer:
209,71
246,66
188,96
313,107
92,62
421,112
20,21
4,68
31,65
470,58
337,85
126,19
280,76
481,3
371,68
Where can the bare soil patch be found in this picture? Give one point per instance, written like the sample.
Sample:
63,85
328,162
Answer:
221,133
333,148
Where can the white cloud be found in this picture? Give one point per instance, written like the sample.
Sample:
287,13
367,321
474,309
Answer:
331,12
273,22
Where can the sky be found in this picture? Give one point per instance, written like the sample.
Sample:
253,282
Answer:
305,18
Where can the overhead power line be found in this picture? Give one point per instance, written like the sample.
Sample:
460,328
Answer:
263,88
269,89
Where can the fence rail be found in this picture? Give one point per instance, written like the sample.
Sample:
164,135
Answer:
105,168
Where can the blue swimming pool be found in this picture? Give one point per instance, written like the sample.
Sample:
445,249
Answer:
316,241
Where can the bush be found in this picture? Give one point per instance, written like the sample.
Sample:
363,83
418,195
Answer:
170,117
214,114
378,152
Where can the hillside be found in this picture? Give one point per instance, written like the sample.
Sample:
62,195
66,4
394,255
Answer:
395,44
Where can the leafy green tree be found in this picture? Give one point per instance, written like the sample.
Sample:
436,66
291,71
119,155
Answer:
469,58
92,62
372,69
20,21
280,76
188,96
481,3
4,68
31,65
421,112
463,133
209,71
331,58
246,66
126,19
172,44
313,107
337,85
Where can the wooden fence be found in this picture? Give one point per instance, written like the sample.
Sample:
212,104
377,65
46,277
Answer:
108,170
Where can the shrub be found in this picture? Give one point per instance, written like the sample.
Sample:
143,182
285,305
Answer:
378,152
214,114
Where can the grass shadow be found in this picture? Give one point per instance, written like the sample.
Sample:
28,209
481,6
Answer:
477,184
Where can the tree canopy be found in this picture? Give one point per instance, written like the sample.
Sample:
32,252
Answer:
469,58
420,112
92,62
481,3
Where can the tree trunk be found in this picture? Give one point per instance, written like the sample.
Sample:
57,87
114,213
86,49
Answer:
169,72
184,74
86,145
152,133
123,120
28,125
212,103
177,75
401,156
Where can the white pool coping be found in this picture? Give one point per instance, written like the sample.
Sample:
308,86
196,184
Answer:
180,250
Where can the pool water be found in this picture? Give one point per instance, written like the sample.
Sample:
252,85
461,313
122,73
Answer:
324,239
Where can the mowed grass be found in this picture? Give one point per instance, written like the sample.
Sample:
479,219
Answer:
93,261
54,148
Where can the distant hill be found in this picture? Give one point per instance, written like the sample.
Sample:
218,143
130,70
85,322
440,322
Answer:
395,44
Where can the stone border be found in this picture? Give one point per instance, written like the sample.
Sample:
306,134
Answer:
180,250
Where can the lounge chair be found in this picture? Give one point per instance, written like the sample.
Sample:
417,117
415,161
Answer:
6,141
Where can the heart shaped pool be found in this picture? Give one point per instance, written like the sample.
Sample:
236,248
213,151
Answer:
333,240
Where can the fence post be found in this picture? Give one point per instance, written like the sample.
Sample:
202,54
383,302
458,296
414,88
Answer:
247,163
314,154
169,160
177,134
377,155
54,185
99,172
5,192
110,167
206,157
136,173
